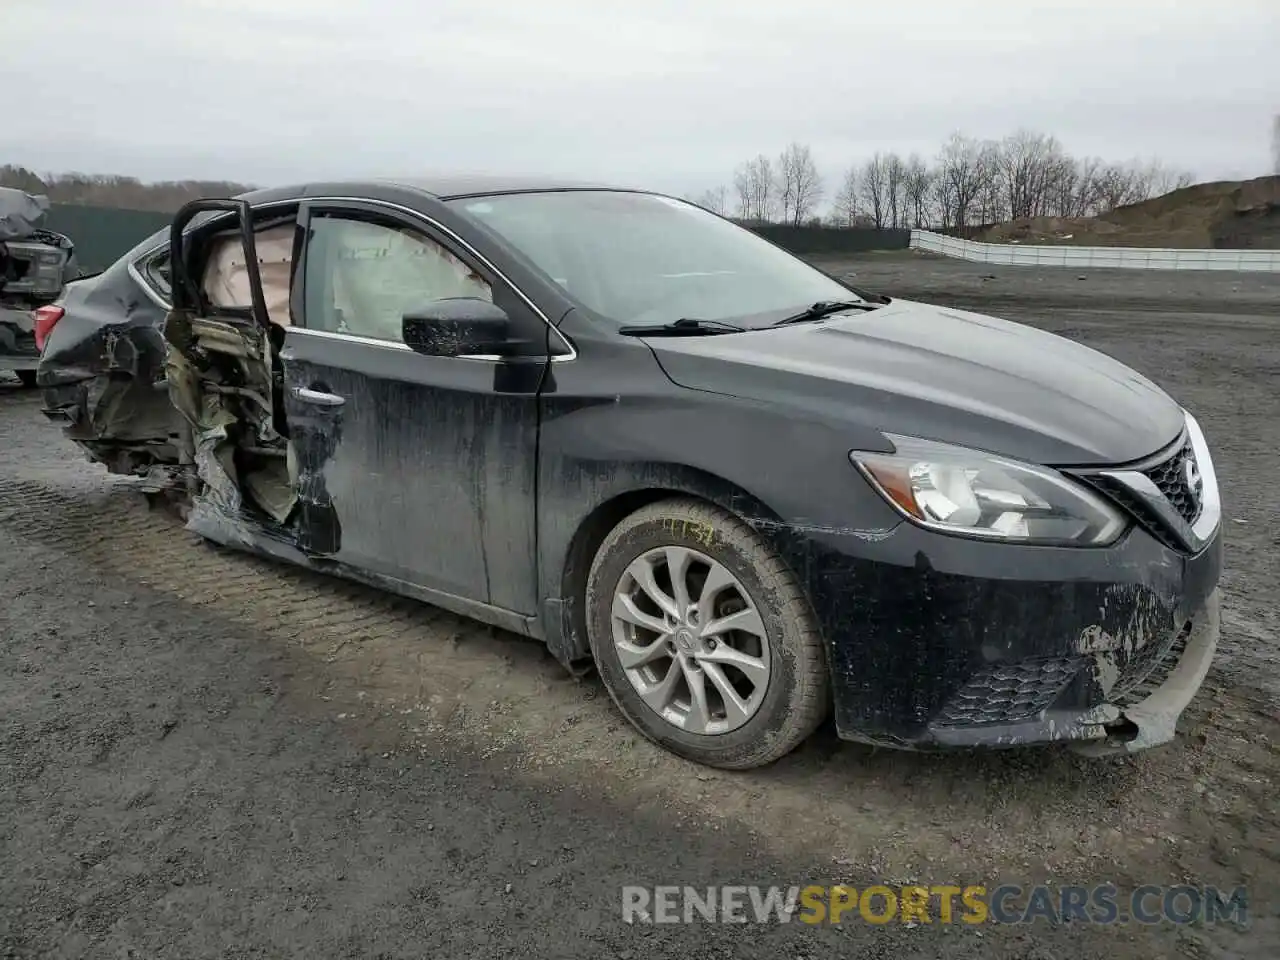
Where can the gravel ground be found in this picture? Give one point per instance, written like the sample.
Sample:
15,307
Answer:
205,754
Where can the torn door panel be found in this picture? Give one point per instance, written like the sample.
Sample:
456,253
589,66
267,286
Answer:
221,380
223,374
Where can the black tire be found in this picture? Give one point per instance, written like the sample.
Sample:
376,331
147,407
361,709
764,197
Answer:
797,696
28,378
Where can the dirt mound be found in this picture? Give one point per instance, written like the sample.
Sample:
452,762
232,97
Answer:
1229,214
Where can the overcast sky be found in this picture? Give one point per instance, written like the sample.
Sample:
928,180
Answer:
669,94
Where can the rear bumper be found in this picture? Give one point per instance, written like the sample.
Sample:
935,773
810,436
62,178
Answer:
17,340
126,424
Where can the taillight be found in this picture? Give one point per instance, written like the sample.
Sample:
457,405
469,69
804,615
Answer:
46,318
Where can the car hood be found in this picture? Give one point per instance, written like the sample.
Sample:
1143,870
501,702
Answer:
940,374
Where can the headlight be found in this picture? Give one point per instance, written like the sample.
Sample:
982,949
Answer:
970,493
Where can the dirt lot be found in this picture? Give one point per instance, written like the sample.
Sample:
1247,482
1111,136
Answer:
203,754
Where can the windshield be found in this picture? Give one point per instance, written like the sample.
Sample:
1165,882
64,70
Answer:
639,259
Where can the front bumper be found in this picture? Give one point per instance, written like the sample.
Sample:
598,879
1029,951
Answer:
1174,681
937,641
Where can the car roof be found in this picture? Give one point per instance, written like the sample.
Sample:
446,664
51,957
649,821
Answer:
445,187
449,187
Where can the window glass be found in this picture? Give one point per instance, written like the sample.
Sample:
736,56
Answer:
640,258
154,271
362,277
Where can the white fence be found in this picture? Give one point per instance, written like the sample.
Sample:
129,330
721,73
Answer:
1132,258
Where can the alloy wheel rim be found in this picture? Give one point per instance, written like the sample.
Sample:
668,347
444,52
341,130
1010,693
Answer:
691,641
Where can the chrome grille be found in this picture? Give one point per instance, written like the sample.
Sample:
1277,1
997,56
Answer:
1171,479
1139,510
1172,476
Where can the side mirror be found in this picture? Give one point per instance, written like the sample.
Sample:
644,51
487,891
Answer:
457,327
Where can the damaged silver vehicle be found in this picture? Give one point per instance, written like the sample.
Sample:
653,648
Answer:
35,266
746,493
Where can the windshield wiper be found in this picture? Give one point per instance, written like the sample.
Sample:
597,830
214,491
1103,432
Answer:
684,327
824,308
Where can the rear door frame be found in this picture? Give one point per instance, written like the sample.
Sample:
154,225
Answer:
185,291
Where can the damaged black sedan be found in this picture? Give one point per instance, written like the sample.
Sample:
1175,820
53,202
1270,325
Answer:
746,493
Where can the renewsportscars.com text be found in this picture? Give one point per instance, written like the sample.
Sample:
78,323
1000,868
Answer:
941,904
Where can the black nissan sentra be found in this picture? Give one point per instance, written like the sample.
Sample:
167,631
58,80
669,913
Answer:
748,494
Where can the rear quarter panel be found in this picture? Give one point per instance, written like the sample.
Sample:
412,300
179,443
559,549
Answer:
103,365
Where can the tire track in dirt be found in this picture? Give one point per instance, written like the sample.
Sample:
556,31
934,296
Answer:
1025,814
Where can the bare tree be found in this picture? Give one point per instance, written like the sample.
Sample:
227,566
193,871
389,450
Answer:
808,185
991,205
799,185
1154,179
1079,190
894,170
1025,167
1114,186
875,189
1027,174
110,190
762,196
785,183
1181,180
785,175
1067,184
916,180
846,199
742,191
962,173
716,200
753,182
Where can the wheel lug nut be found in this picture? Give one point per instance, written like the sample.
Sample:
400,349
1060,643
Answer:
711,643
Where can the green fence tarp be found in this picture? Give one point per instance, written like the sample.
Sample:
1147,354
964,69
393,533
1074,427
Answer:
102,234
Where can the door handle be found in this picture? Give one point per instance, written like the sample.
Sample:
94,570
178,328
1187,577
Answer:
318,397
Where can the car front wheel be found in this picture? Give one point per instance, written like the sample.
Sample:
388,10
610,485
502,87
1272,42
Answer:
703,637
